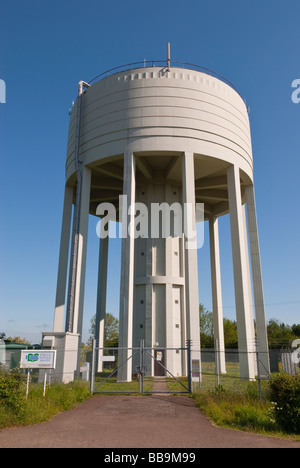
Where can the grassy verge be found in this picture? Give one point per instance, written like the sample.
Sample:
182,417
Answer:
37,408
59,397
238,407
235,404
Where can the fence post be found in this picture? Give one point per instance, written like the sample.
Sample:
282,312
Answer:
189,366
143,364
258,371
45,383
217,362
141,373
93,366
27,383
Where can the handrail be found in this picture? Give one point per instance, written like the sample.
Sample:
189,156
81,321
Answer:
172,63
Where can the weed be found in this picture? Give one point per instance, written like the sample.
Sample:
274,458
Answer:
38,408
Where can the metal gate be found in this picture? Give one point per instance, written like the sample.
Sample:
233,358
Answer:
146,364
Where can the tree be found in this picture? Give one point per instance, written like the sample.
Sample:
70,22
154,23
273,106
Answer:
207,330
111,331
206,327
17,339
280,335
296,330
230,334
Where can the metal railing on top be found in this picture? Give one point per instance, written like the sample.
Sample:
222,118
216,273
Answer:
163,64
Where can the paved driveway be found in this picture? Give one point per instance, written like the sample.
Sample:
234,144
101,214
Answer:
156,421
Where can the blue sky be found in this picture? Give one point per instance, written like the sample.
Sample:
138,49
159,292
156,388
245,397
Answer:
48,46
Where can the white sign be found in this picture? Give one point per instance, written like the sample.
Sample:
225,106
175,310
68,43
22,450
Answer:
41,359
108,358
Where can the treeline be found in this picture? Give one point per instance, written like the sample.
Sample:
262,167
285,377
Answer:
280,335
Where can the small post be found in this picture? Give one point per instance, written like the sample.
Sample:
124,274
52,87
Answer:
93,366
217,363
143,364
140,366
27,384
169,57
189,366
45,383
258,371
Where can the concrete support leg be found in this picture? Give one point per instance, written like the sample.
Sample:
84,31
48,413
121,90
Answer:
191,266
68,342
149,321
261,327
170,325
217,291
245,321
82,248
101,299
81,259
59,313
249,289
127,270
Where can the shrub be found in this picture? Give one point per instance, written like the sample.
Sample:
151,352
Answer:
238,408
67,396
59,397
285,395
15,410
12,390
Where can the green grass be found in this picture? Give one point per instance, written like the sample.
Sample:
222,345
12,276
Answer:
235,404
103,384
175,386
37,408
238,407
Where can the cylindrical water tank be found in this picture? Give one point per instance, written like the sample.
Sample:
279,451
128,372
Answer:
157,114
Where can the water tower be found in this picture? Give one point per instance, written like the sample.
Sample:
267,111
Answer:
159,133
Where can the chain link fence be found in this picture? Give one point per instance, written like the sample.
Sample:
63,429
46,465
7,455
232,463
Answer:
212,373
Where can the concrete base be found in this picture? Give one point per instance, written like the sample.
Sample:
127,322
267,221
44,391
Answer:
66,345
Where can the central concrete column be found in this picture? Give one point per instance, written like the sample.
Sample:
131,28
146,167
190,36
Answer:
101,298
217,291
127,270
245,322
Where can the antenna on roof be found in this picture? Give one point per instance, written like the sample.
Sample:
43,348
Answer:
169,57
